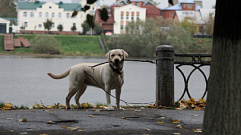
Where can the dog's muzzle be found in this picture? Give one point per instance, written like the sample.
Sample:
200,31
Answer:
116,62
115,66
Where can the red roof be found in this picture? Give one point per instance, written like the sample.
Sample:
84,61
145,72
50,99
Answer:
152,12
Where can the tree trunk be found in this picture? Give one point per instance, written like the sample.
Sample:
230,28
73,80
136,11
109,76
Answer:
223,111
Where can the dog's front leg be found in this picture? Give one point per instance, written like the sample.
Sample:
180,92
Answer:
109,106
117,94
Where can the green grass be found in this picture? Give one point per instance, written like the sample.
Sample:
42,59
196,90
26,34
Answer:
80,45
90,46
70,45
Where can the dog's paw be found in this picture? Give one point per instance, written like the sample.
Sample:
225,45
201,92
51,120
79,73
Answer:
121,108
109,108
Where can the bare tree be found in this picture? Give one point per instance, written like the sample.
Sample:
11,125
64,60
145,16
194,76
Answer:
223,110
8,8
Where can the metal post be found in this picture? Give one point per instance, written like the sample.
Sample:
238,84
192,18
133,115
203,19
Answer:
165,75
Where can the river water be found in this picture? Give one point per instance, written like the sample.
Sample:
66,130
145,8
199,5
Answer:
24,81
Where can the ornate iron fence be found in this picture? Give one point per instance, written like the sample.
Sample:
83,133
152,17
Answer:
165,62
197,61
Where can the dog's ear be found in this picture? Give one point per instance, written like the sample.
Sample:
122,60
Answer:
108,55
125,54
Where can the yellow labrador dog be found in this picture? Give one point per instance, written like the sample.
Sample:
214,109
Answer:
108,76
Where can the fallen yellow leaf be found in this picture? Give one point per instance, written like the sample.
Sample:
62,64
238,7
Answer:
197,108
101,107
197,130
71,128
178,126
75,107
92,116
50,122
80,130
49,106
175,121
192,99
161,122
23,120
86,105
201,100
151,106
8,106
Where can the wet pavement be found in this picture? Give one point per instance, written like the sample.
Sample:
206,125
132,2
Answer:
97,121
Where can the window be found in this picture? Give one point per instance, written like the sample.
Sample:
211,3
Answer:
137,16
59,15
25,24
40,14
74,24
53,15
127,15
50,7
132,16
52,25
39,25
121,27
122,15
25,14
173,13
189,6
67,15
46,14
31,14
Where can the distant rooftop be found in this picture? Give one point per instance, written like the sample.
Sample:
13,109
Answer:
179,6
38,4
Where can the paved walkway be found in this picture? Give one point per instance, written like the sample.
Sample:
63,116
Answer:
95,121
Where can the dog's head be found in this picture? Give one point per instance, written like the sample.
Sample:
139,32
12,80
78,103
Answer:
116,58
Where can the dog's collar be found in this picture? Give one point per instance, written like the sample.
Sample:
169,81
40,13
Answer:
118,71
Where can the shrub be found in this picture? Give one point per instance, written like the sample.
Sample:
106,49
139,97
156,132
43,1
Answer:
60,27
45,44
73,28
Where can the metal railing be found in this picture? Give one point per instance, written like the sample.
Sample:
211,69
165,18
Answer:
165,62
197,61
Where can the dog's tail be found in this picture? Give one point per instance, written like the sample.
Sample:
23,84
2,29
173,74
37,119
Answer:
60,76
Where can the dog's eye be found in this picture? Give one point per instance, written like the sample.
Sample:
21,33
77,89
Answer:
112,55
119,55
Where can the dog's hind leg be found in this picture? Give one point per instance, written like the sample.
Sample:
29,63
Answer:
72,91
79,94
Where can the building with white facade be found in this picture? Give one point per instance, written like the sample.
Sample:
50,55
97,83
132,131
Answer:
32,15
125,14
8,25
122,12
